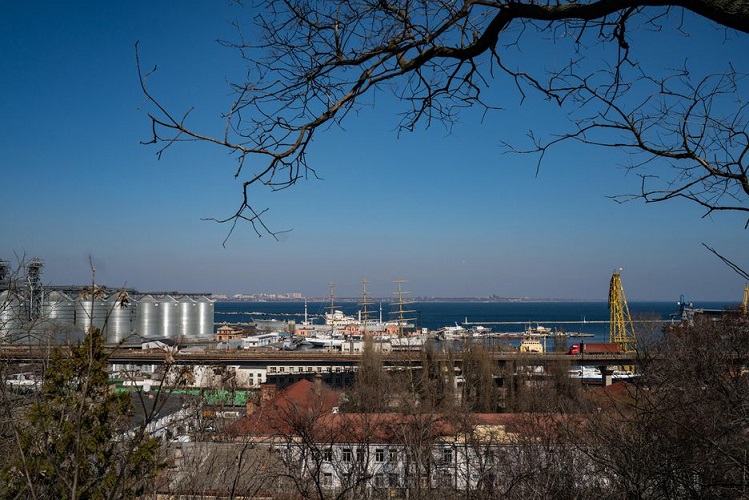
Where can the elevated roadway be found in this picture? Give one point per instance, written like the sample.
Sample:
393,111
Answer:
267,357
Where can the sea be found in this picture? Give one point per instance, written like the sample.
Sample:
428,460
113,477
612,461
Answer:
589,318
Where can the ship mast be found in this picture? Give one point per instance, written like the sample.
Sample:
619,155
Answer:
332,305
401,313
365,313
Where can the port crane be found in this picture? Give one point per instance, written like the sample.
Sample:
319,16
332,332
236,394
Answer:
621,329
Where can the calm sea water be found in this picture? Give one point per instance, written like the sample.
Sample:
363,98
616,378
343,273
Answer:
570,316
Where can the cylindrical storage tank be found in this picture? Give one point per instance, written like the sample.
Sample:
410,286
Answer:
11,314
188,315
90,312
121,320
170,323
148,317
58,307
205,318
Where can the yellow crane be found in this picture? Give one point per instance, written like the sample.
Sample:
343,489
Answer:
621,329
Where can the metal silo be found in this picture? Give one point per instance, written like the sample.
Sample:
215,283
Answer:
148,316
90,312
59,308
170,324
205,318
11,314
121,320
188,315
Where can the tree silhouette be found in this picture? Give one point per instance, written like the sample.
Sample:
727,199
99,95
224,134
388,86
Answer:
76,440
311,65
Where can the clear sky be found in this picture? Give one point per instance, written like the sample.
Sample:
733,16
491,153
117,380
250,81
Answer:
446,211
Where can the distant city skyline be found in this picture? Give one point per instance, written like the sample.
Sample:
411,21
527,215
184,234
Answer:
444,210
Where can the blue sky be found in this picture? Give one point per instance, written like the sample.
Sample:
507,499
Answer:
447,211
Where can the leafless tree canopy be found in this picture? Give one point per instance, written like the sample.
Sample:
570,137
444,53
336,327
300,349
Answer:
316,62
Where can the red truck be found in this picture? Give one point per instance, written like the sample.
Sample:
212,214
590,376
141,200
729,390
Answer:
595,348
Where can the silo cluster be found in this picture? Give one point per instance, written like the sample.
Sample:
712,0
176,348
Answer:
181,317
140,317
27,307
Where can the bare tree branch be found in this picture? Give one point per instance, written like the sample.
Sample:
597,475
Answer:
314,63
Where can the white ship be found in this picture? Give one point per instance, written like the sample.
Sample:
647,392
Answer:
334,341
337,319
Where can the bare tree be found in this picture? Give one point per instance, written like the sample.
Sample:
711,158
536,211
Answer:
480,392
681,431
371,390
315,63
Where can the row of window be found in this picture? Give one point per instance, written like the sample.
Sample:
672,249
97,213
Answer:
392,480
380,480
379,455
309,369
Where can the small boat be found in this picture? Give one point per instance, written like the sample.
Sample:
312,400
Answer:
537,330
326,341
456,332
479,331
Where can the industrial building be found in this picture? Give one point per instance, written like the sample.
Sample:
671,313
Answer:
31,310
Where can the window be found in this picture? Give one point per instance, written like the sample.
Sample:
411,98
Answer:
379,455
283,369
327,479
347,456
445,479
327,454
273,369
393,480
360,454
392,455
447,455
380,480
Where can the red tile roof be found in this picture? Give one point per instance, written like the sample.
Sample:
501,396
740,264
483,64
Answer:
306,410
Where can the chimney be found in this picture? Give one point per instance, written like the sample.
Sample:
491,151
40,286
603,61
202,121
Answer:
251,406
267,392
318,383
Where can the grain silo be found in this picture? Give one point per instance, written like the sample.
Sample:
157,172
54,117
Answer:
170,322
121,321
90,312
188,315
148,317
11,314
205,318
59,308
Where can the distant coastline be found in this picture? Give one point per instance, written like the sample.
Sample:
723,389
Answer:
224,298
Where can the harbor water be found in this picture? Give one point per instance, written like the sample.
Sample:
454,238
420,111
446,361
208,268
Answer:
575,318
